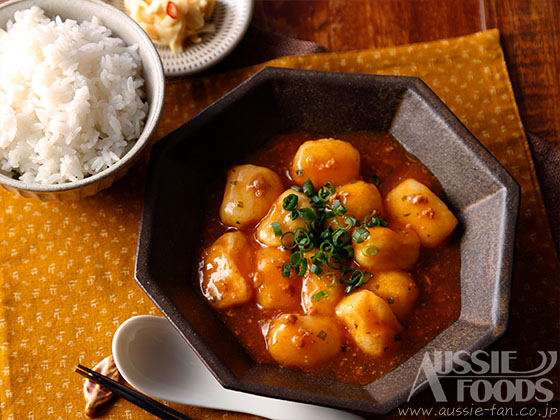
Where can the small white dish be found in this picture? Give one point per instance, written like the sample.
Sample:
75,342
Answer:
152,356
231,19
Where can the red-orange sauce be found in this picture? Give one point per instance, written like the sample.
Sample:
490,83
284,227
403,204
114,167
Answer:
437,272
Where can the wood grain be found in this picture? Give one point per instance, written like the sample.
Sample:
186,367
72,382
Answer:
530,37
343,25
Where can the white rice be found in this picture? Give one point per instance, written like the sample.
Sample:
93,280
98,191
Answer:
71,98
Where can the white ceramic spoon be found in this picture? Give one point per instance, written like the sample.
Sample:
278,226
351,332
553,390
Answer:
153,358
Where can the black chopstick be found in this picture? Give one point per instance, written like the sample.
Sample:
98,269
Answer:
152,406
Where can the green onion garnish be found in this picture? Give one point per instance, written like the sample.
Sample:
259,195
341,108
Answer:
338,208
370,251
315,269
339,262
301,237
329,274
333,248
356,279
285,242
307,214
319,295
360,235
290,202
325,192
372,220
294,215
308,188
302,268
295,258
277,228
340,238
328,214
349,251
349,222
376,180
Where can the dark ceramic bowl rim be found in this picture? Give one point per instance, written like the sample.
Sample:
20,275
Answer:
488,332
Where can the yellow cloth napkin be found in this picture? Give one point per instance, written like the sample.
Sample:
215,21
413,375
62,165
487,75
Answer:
67,268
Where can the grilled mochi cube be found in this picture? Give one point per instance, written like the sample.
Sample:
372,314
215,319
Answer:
412,203
274,291
387,249
320,294
249,193
370,321
326,160
397,288
285,223
303,340
360,199
225,271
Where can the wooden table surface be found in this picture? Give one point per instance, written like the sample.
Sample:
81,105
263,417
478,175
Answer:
530,37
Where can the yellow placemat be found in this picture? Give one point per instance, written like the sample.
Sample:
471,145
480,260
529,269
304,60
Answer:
67,268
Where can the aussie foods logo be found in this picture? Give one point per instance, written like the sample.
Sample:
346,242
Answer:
484,376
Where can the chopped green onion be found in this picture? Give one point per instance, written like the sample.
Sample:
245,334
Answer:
277,228
376,180
290,202
308,188
333,248
296,188
284,241
326,234
325,246
302,268
329,274
338,208
343,278
319,295
316,225
294,215
286,269
372,220
356,279
348,223
340,237
349,251
318,258
295,259
301,237
315,269
360,235
325,192
307,214
370,251
328,214
308,247
338,259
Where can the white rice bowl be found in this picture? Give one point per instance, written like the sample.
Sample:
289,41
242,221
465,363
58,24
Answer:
71,98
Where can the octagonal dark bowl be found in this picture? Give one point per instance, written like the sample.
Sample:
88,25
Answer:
478,190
